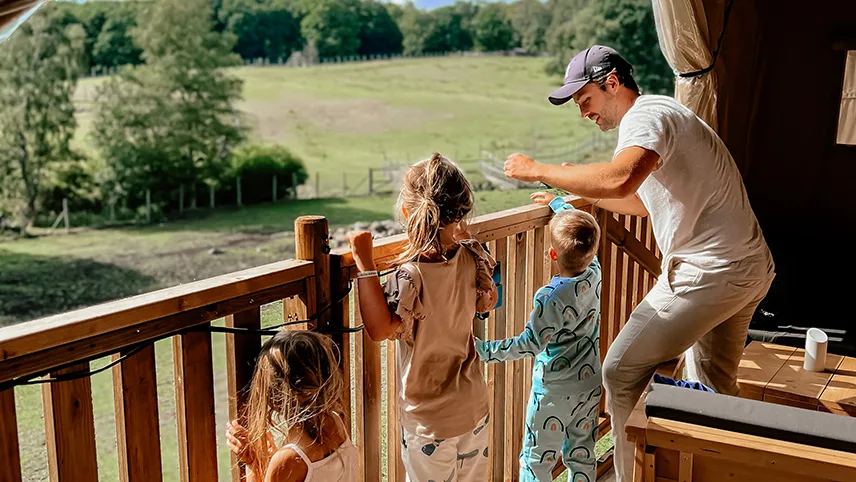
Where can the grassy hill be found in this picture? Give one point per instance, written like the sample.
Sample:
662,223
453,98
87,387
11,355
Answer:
343,118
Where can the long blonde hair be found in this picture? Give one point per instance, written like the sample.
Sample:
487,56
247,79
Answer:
435,194
296,384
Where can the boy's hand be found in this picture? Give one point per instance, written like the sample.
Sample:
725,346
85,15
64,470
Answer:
362,248
542,197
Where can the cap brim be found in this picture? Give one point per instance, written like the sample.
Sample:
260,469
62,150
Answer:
566,92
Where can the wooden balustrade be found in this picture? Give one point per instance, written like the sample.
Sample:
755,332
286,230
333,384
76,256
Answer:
66,343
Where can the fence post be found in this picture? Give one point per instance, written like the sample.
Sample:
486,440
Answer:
294,186
65,214
181,198
317,185
211,195
239,191
344,184
371,181
274,188
148,205
310,241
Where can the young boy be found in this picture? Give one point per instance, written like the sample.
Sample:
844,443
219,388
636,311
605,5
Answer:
563,336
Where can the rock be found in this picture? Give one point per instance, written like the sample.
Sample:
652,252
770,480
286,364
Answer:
215,251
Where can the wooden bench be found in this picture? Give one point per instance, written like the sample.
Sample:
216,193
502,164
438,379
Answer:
669,450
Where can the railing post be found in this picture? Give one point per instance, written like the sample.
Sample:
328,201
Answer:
241,352
340,318
10,469
194,406
311,235
497,328
135,398
70,428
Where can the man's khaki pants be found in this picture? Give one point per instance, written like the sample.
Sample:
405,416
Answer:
701,310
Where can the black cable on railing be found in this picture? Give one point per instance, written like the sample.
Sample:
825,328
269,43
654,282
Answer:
67,377
134,349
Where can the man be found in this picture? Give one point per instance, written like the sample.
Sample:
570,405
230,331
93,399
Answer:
716,266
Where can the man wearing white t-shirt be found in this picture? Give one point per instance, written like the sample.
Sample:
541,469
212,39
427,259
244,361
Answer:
716,266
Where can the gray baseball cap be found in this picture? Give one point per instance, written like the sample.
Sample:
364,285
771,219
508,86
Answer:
586,66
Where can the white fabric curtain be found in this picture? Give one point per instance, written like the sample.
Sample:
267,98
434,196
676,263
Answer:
684,39
13,14
847,115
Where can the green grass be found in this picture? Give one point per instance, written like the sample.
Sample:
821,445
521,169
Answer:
91,266
342,119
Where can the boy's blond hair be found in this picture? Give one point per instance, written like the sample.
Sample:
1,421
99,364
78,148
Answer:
575,235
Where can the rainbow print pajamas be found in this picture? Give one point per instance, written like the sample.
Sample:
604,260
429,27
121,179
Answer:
561,424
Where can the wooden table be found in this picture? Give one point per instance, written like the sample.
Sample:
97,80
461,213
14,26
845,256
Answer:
774,373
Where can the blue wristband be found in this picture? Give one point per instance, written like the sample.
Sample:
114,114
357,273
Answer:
558,203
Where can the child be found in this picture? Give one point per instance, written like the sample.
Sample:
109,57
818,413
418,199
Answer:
428,306
563,336
297,392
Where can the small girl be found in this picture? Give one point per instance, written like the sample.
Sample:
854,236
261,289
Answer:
296,392
428,306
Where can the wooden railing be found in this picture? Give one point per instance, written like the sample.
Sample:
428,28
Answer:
314,287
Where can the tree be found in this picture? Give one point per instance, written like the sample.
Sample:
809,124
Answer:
415,27
379,34
172,122
107,25
530,20
39,68
628,27
451,28
262,30
492,28
334,27
114,46
256,164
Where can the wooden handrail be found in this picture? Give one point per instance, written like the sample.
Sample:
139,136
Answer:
64,328
627,242
485,228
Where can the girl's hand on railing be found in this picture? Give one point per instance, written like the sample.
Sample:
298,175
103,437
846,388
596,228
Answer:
236,440
542,197
362,248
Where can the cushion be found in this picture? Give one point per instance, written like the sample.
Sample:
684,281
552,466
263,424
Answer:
752,417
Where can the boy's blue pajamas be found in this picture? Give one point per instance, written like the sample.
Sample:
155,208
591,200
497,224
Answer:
563,335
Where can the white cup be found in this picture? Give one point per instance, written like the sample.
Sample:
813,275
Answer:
815,350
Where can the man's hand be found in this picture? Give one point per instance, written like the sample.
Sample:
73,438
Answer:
542,197
522,168
362,248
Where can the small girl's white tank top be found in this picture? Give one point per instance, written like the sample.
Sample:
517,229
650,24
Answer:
340,466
